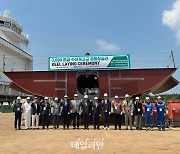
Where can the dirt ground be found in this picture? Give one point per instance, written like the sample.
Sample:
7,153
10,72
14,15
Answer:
61,141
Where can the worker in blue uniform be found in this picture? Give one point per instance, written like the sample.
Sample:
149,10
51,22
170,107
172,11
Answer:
161,112
148,114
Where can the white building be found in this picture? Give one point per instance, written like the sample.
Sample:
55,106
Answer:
14,51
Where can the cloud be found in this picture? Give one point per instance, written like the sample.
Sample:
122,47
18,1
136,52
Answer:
103,45
171,19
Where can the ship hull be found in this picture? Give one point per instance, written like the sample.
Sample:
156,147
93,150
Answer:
114,82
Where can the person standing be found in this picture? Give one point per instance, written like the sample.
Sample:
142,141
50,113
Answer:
106,107
161,111
117,109
35,113
56,112
45,112
128,108
138,113
75,106
17,108
148,114
27,113
96,113
65,104
86,111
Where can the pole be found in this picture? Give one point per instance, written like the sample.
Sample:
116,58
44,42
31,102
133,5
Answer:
4,63
173,59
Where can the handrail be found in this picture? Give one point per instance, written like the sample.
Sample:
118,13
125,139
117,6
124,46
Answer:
15,46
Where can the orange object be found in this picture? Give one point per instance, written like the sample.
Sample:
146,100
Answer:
174,109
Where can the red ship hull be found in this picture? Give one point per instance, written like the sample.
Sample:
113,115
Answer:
114,82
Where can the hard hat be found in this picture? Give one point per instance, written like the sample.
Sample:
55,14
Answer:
137,98
35,97
85,96
45,98
147,98
28,98
95,98
65,96
18,97
116,96
56,99
159,97
126,95
75,95
105,94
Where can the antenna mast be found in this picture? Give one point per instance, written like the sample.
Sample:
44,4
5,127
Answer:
172,55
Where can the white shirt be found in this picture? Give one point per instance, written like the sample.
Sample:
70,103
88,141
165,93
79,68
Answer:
27,107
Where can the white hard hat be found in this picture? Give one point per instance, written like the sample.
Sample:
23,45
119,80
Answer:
75,95
45,98
18,97
159,97
95,98
137,98
147,98
35,97
28,98
65,96
85,96
105,94
126,95
56,99
116,96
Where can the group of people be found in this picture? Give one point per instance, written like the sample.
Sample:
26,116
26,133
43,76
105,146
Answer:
32,110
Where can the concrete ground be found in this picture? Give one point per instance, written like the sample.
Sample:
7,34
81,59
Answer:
87,141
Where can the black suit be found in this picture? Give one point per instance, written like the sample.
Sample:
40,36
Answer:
106,109
17,112
96,115
35,110
65,113
86,111
46,109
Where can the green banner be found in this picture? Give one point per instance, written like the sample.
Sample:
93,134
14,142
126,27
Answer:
92,62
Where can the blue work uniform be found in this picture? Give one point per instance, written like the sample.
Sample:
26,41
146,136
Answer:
161,110
148,114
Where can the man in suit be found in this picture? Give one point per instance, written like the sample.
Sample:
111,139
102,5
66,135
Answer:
106,107
45,111
75,106
138,113
128,108
17,108
27,112
35,113
86,111
56,112
96,113
65,104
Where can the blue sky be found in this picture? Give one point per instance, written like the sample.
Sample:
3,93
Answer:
148,30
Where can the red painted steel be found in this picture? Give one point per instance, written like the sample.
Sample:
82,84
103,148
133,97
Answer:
114,82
